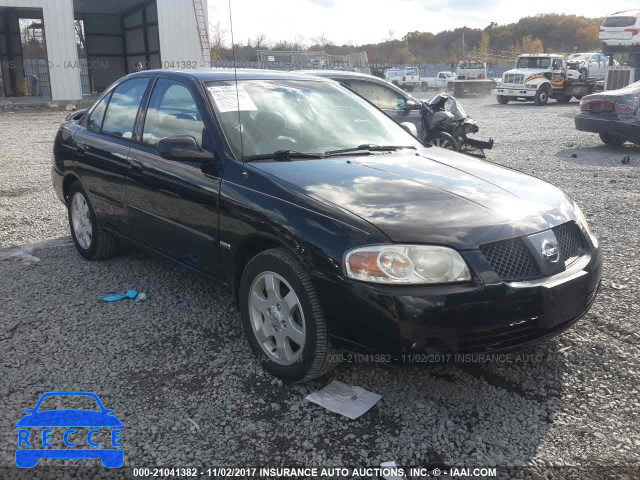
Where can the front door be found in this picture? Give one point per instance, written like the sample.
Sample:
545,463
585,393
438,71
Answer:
102,148
173,205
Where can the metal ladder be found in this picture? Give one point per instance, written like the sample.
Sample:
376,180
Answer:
203,35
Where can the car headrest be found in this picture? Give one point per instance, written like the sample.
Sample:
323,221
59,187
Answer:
268,124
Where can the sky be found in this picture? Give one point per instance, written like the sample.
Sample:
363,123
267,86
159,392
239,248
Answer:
369,21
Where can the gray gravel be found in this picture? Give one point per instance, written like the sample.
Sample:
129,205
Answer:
178,372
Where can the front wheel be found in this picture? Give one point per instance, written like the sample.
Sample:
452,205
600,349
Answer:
611,140
503,99
90,239
444,140
282,317
542,95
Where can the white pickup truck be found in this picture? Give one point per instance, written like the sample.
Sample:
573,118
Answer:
405,78
440,81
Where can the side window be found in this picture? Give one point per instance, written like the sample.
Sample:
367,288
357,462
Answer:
172,111
557,64
123,108
442,75
380,96
97,116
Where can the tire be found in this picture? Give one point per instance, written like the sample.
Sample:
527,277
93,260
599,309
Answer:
424,87
563,99
266,316
609,139
542,95
90,239
503,100
444,140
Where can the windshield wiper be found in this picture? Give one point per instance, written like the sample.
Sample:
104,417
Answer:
282,156
369,148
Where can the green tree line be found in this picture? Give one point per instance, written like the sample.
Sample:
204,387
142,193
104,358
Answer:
541,33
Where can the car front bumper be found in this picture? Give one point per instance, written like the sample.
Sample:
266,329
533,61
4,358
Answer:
608,123
514,92
487,315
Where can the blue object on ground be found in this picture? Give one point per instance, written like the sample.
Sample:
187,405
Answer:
121,296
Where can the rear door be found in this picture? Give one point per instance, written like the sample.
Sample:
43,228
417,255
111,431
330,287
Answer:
173,205
103,145
386,98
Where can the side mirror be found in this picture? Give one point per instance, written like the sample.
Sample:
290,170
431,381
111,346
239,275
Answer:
410,127
77,115
183,148
413,104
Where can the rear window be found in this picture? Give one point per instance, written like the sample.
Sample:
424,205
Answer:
411,71
619,22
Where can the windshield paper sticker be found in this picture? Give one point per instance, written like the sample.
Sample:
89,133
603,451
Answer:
230,99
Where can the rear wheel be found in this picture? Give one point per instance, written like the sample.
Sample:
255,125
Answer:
424,87
563,98
503,99
282,317
91,240
444,140
542,95
611,140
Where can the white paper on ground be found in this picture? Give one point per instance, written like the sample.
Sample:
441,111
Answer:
24,252
230,99
347,400
391,464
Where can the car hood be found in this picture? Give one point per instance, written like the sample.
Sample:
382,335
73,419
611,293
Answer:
431,196
69,418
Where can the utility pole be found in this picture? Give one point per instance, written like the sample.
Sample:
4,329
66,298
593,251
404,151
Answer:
463,46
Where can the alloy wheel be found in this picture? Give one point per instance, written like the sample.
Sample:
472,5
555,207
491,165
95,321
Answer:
81,220
442,143
276,318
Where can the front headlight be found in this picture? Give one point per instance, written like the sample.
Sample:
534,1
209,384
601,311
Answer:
582,219
406,265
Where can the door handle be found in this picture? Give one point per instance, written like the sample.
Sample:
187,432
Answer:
135,165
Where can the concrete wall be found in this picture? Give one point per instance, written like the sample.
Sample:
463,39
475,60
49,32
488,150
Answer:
61,45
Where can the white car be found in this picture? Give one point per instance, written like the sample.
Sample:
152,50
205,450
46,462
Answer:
621,29
590,65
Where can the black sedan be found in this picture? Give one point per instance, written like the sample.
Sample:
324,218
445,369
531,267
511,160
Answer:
329,223
613,114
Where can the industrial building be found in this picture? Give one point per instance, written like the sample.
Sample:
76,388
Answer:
62,50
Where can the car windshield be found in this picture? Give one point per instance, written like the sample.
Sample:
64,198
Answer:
576,57
301,116
69,402
534,62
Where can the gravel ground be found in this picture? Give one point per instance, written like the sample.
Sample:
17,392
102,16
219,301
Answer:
178,372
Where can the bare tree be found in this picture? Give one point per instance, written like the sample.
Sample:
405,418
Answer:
218,36
260,41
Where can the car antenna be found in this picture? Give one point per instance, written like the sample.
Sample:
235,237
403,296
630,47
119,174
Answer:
235,75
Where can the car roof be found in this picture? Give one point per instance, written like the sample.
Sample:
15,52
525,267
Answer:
221,74
625,13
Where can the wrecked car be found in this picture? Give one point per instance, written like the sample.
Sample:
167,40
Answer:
612,114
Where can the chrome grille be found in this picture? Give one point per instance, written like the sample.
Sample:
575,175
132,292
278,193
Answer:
570,241
514,78
511,259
